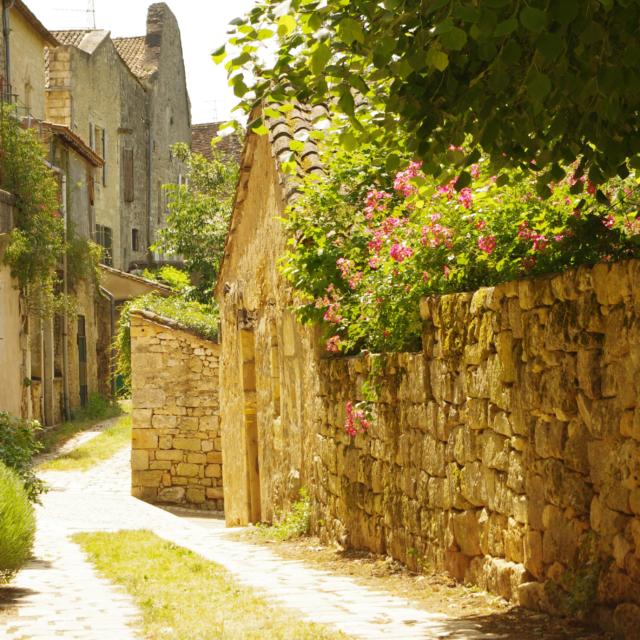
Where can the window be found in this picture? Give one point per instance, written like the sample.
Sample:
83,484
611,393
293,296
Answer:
104,237
128,187
135,240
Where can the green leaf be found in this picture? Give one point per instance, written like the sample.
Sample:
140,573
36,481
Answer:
505,28
319,58
565,11
346,102
392,162
550,45
350,31
538,86
464,180
467,13
454,39
437,59
296,145
265,34
533,19
286,24
219,54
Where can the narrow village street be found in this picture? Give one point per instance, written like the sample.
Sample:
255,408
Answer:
60,595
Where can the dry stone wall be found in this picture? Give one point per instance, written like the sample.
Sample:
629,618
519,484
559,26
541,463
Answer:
176,452
508,451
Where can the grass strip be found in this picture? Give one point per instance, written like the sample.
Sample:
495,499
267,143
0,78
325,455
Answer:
96,450
85,419
182,596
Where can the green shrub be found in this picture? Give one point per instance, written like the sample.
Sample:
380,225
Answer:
18,444
17,524
290,524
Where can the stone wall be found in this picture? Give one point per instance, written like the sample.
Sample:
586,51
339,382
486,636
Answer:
176,451
508,451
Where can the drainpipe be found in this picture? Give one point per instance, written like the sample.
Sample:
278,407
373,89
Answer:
65,315
65,287
42,373
108,296
149,187
6,31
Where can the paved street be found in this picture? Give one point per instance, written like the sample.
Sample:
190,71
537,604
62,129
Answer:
59,595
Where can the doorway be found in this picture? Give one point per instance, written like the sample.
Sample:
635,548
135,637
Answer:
82,361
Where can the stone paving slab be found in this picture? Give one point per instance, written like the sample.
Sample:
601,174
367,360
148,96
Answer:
67,599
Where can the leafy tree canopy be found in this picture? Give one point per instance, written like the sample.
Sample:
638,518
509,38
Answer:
550,81
198,219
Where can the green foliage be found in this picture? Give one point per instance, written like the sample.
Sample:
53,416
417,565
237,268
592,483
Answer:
83,259
173,277
202,318
290,524
199,212
37,242
18,444
17,524
554,81
575,593
365,246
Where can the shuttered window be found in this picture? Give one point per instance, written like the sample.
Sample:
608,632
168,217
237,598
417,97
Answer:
127,175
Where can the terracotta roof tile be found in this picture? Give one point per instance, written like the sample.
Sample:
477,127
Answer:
202,134
71,37
133,51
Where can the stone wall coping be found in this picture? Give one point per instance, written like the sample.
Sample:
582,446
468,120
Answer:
168,323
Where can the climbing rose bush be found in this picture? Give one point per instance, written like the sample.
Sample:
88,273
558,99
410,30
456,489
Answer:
366,242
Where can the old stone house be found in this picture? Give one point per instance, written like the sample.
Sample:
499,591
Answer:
127,97
503,452
269,362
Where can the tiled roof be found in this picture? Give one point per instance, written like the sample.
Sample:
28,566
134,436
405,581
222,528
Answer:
133,51
297,124
71,37
202,134
294,125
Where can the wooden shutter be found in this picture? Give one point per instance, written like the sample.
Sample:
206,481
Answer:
104,157
91,187
127,175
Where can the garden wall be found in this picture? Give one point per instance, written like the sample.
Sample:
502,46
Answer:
508,452
176,452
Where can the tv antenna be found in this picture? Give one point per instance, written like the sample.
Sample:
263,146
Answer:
91,11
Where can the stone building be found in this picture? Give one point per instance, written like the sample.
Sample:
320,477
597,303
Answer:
22,72
128,98
268,360
506,451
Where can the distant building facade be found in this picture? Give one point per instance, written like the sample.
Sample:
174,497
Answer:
128,96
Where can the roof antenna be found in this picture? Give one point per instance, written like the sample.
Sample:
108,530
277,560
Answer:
91,11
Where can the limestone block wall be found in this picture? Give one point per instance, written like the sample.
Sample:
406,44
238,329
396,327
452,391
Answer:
176,452
508,451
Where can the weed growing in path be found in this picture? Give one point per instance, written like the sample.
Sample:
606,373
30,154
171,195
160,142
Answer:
185,597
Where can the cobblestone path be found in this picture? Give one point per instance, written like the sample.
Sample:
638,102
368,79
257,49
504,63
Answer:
60,596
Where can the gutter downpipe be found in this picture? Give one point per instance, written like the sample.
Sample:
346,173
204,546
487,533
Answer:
65,285
65,315
6,31
107,295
